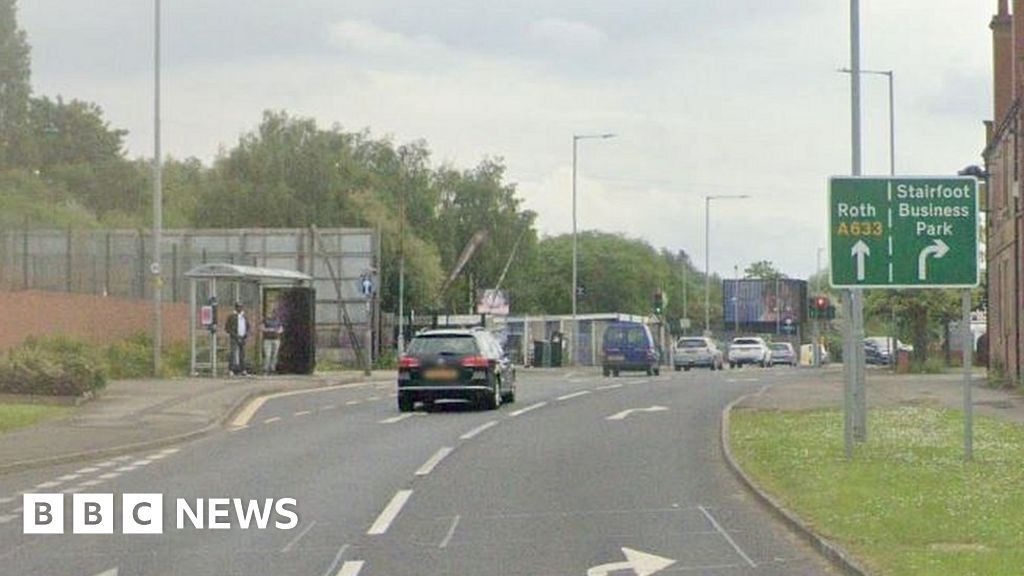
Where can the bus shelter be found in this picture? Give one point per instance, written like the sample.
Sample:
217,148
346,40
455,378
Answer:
265,291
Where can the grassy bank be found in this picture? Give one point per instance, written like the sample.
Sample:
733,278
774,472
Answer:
907,504
13,416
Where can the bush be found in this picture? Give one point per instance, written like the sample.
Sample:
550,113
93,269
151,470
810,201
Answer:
133,358
929,366
51,367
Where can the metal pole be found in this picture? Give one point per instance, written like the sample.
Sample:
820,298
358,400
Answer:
157,200
778,309
576,263
892,127
686,312
968,349
401,271
853,369
707,266
736,300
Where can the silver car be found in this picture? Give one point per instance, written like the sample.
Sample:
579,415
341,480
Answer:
696,352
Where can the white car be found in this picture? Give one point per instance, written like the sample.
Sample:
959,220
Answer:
749,350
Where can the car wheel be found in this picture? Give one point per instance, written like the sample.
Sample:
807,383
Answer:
405,402
510,397
615,373
605,372
492,401
678,368
649,371
712,366
657,370
687,368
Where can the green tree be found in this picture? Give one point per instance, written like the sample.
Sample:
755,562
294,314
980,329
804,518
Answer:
15,87
920,313
762,270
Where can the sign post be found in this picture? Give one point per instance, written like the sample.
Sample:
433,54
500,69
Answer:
906,232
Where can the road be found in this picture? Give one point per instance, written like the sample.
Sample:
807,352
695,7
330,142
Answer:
582,475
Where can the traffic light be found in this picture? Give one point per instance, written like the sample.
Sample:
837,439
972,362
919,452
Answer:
820,307
659,302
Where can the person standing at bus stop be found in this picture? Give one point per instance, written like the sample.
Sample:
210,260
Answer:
273,328
237,327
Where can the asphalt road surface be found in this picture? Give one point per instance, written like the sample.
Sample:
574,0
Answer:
583,475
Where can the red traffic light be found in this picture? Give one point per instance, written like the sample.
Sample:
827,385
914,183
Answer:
821,303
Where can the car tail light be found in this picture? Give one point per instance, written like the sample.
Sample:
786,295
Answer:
475,362
408,362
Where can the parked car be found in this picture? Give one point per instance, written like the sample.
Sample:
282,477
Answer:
749,350
459,364
694,352
876,353
629,346
783,353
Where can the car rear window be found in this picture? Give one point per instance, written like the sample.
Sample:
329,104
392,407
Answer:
692,343
782,347
746,342
620,335
456,345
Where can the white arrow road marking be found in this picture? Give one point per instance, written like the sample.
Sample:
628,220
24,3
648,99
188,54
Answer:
641,563
860,251
937,249
111,572
351,568
622,415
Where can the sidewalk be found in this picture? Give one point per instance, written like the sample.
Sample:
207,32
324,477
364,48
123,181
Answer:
885,389
133,415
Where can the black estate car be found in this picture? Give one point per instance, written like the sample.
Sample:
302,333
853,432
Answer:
455,364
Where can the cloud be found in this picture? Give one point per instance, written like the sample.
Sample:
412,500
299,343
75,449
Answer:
568,34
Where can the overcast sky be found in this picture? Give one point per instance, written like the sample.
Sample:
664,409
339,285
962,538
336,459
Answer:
707,97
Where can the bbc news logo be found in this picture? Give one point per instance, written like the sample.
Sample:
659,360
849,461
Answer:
144,514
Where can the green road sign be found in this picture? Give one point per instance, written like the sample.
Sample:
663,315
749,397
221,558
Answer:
903,232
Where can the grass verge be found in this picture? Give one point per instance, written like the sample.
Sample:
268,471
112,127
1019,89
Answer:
907,504
13,416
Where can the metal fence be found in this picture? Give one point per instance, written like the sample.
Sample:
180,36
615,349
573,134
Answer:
116,263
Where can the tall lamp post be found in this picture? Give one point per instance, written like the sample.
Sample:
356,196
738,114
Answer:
707,254
575,239
892,114
154,268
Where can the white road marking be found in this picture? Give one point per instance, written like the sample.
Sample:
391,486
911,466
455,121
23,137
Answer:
728,538
640,563
68,477
451,532
167,451
396,419
383,522
353,402
106,464
609,387
45,485
7,499
146,462
625,413
249,411
110,475
238,429
351,568
434,460
88,470
111,572
573,395
89,483
337,560
469,435
125,469
522,411
373,398
328,407
291,544
271,420
6,519
303,413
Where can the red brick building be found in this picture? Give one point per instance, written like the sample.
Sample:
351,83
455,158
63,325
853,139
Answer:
1005,224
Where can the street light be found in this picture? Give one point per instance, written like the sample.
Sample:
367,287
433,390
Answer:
707,254
575,251
892,118
158,283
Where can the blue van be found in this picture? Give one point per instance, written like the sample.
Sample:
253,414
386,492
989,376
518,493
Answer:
629,346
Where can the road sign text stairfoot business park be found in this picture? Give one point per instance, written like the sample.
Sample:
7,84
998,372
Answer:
903,232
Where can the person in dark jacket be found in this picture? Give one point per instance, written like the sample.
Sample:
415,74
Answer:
237,327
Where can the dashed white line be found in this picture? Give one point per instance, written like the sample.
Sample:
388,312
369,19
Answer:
109,475
69,477
328,407
125,469
45,485
383,522
7,499
609,387
291,543
573,395
469,435
351,568
522,411
6,519
146,462
303,413
271,420
373,398
434,460
396,419
728,538
88,470
353,402
337,559
89,483
451,532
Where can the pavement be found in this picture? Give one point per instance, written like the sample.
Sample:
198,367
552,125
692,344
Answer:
132,415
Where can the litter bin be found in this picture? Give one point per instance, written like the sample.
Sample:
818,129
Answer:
556,350
541,353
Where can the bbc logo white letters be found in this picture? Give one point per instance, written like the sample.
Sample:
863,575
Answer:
43,513
93,514
142,514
